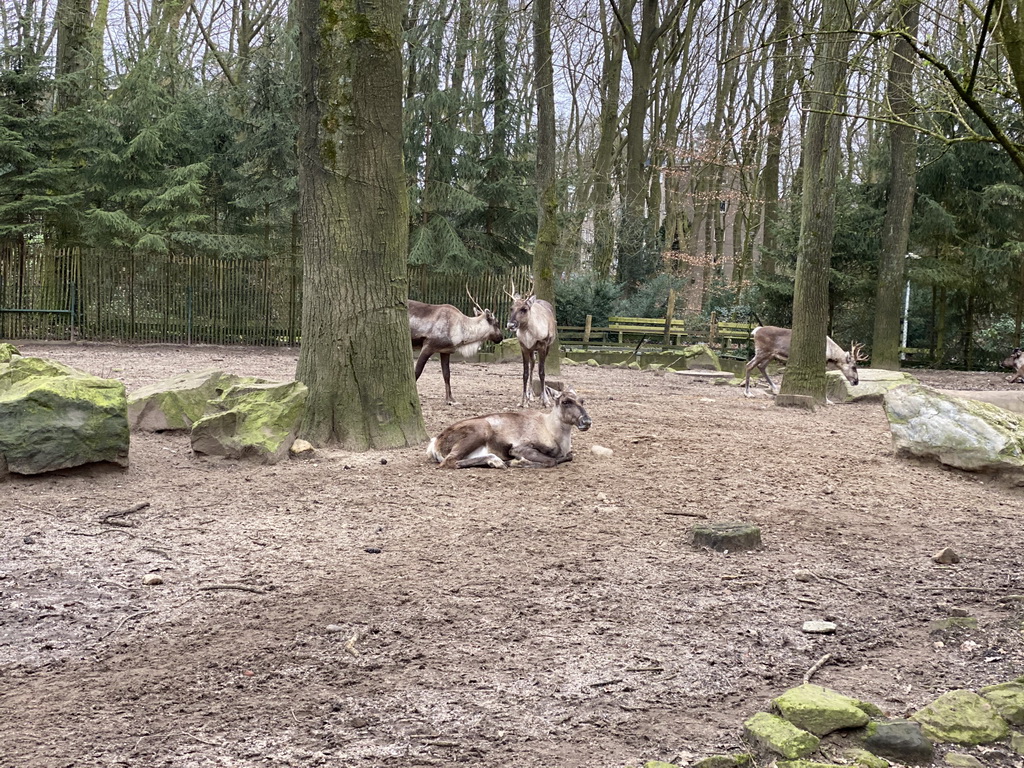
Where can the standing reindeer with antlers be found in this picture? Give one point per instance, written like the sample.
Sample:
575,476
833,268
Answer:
442,328
533,321
772,343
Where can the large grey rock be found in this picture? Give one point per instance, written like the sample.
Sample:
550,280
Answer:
780,736
967,434
180,401
259,420
873,383
56,417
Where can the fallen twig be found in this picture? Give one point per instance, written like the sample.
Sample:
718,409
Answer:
645,669
242,587
605,683
350,646
124,621
111,517
816,666
685,514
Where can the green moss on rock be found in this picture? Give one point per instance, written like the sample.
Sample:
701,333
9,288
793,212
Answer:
820,710
1008,699
962,717
7,351
780,736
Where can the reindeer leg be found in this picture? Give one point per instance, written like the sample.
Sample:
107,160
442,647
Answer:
447,374
527,375
421,361
470,452
542,357
757,361
530,456
771,384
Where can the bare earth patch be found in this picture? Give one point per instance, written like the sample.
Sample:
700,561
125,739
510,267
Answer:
371,610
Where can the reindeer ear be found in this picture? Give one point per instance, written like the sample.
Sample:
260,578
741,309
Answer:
553,393
531,301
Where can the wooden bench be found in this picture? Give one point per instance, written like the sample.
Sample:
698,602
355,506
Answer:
729,334
651,327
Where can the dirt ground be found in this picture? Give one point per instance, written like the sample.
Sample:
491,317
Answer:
371,610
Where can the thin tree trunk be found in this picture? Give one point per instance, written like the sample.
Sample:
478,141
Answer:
778,108
547,186
885,347
355,358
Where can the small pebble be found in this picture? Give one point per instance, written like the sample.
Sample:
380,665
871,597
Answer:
802,574
152,579
946,557
373,550
332,628
601,452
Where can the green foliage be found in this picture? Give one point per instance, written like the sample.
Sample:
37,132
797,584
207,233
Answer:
650,299
585,294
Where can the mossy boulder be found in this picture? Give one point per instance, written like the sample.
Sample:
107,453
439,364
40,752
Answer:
780,736
807,764
7,351
872,384
1008,699
820,710
726,761
866,759
958,432
962,717
56,417
700,357
180,401
259,420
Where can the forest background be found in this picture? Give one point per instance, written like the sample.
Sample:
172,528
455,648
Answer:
136,132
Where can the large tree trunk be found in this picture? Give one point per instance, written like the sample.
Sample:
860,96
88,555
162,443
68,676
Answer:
73,19
547,185
885,346
356,357
805,372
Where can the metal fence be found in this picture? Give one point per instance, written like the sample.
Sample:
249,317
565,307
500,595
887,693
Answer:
123,297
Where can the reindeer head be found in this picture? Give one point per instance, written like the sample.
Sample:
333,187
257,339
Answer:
519,314
848,366
1014,360
496,334
570,408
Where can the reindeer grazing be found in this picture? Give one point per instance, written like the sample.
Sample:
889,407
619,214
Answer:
772,343
533,321
515,438
1015,361
444,329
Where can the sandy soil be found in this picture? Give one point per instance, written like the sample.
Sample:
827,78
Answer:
372,610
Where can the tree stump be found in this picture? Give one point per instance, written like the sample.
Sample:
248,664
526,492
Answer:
727,536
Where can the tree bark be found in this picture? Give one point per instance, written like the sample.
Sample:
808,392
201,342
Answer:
547,185
778,108
356,357
885,345
805,371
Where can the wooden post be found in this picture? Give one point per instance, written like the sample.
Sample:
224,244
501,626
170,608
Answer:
586,328
670,310
713,329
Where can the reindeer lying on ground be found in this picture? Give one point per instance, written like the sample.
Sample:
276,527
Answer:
515,438
1015,361
533,321
772,343
442,328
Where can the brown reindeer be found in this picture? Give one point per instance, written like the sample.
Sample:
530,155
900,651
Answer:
533,321
514,438
772,343
443,329
1015,361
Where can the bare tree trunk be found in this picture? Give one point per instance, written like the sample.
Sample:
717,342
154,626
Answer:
885,344
805,372
355,358
73,19
608,139
778,108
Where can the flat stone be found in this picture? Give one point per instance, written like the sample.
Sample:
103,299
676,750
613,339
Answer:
864,758
1008,699
962,761
819,627
727,536
725,761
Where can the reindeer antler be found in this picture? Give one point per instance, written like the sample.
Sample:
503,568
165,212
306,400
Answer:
856,352
512,293
475,304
